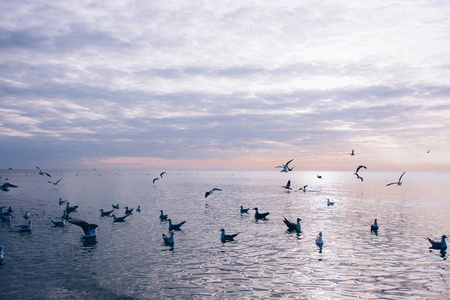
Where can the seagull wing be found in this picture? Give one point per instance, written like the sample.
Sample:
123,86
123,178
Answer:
84,225
391,183
400,179
288,163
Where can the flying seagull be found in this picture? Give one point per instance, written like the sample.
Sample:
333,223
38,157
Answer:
442,245
161,175
399,181
5,187
211,191
154,179
286,167
168,240
227,237
175,226
303,188
293,226
259,215
43,173
90,230
54,183
359,168
288,185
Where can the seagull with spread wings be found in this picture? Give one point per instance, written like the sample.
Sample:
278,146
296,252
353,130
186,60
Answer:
399,182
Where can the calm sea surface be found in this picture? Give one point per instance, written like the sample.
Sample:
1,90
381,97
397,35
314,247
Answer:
129,260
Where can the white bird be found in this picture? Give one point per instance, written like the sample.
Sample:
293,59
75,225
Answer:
293,226
286,167
212,191
54,183
175,226
26,227
62,201
138,209
90,230
329,202
5,187
227,237
319,240
303,188
168,240
374,226
287,186
61,223
27,214
43,173
399,182
442,245
2,248
162,216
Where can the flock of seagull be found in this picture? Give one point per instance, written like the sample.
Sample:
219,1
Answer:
90,230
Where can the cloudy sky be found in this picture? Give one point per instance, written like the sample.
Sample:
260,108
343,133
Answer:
225,84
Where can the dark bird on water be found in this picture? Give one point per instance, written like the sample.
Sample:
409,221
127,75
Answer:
70,209
175,226
119,219
227,237
162,216
168,240
260,215
90,230
244,210
293,226
374,226
5,187
105,213
442,245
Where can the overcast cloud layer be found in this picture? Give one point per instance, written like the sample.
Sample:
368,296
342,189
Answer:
225,84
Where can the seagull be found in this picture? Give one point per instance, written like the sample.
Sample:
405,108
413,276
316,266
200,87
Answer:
154,179
115,206
27,214
353,152
26,227
90,230
1,252
105,213
168,240
175,226
329,202
293,226
319,240
428,151
6,217
288,185
5,187
318,176
286,167
162,216
161,175
70,209
43,173
10,210
399,181
374,226
61,223
442,245
303,188
227,237
62,201
119,219
128,211
138,209
244,210
55,183
260,216
358,168
359,177
211,191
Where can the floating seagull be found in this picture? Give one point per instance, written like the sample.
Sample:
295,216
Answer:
162,216
119,219
161,175
260,216
10,210
128,211
54,183
288,185
353,152
175,226
5,187
319,240
115,206
138,209
318,176
286,167
6,217
303,188
105,213
26,227
70,209
211,191
27,214
61,223
43,173
227,237
244,210
90,230
168,240
154,179
399,181
2,248
293,226
374,226
329,202
62,201
442,245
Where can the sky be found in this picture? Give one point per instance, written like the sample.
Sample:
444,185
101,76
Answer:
225,84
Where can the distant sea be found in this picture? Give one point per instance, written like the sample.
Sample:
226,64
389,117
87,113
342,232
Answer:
130,261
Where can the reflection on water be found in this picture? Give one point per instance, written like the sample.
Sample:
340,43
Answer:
130,259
